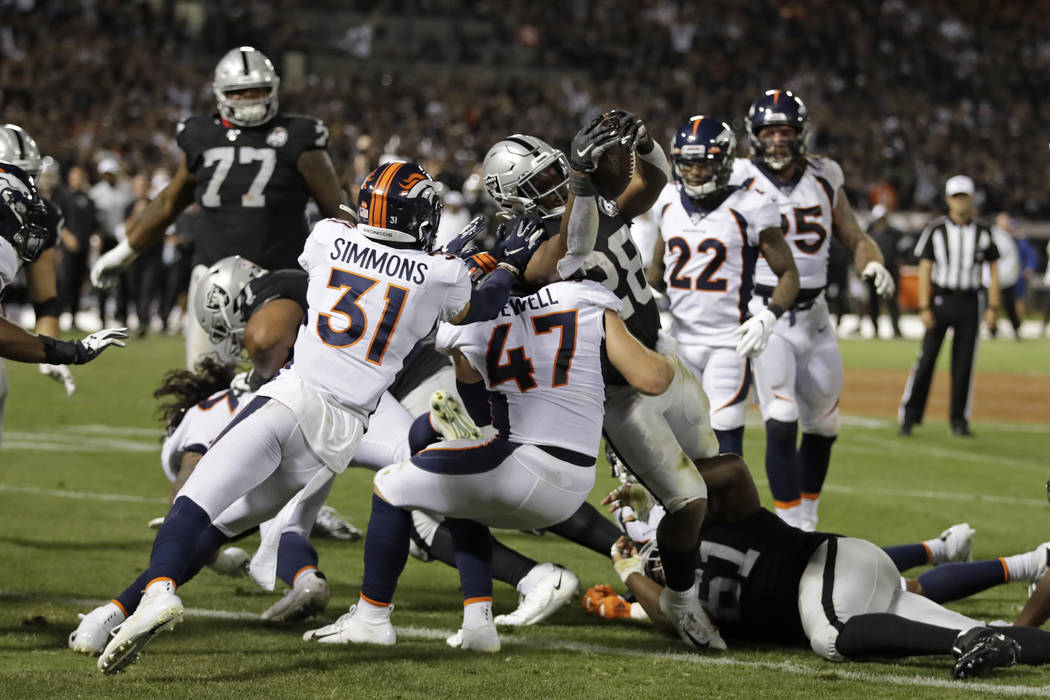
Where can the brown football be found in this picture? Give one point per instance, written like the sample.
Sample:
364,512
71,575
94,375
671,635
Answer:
615,168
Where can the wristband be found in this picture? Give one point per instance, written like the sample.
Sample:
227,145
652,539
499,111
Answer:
51,307
509,268
58,352
580,185
776,309
645,146
655,157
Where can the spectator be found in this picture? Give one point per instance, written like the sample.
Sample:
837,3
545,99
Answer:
888,239
1009,270
81,223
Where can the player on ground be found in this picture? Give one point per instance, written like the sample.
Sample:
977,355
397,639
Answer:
659,436
710,235
543,360
251,169
798,377
373,292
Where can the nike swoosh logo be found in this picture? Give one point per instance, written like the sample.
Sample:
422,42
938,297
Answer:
584,152
319,635
557,586
695,641
822,329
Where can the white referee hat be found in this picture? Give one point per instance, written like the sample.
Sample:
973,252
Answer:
958,184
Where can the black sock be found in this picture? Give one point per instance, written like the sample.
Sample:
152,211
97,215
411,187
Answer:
588,527
473,544
814,456
907,556
886,635
386,550
508,565
680,567
1035,644
782,462
731,440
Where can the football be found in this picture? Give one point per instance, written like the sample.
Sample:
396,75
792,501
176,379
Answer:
615,168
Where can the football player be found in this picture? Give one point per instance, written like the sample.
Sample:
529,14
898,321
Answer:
710,235
373,291
659,436
542,359
251,169
798,378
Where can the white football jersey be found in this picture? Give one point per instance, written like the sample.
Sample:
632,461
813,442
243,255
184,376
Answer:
9,264
542,359
201,424
369,304
709,260
806,215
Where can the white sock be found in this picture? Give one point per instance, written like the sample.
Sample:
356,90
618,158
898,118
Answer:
1025,567
938,550
789,515
529,581
477,614
807,512
370,612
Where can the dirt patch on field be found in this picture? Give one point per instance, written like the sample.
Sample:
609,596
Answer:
1012,398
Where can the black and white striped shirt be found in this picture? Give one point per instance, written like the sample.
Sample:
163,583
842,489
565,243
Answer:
957,251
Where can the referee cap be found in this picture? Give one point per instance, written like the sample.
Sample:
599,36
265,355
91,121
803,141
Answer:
958,184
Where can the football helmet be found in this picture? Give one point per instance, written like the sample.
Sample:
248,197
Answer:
399,204
240,69
777,107
19,148
525,173
703,141
24,221
654,566
221,302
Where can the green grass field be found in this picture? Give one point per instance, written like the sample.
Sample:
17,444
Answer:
81,477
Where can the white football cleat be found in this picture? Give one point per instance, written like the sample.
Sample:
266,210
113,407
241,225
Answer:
309,596
958,543
351,628
159,610
1041,558
484,638
330,525
155,523
92,634
448,418
690,619
552,591
232,561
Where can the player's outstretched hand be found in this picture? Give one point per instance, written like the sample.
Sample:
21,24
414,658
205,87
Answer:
754,333
632,131
461,240
60,373
107,269
882,278
590,143
92,346
519,239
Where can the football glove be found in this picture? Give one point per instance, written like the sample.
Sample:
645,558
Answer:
632,133
590,143
92,346
626,559
754,333
883,280
60,373
594,596
107,269
518,240
461,240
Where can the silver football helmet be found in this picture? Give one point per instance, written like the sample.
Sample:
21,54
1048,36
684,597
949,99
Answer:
525,173
240,69
221,302
19,148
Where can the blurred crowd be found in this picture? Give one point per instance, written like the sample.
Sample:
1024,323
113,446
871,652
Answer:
901,94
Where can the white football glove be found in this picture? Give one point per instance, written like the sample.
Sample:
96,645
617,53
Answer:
754,333
877,272
241,382
626,560
666,344
60,373
107,268
87,349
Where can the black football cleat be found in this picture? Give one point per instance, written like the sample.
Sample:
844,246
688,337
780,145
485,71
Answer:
982,649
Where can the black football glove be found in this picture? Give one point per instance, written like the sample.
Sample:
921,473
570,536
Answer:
632,133
590,143
460,245
518,240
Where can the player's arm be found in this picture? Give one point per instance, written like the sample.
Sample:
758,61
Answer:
43,293
776,252
867,257
651,171
464,372
647,371
925,292
655,272
186,467
269,336
317,170
20,345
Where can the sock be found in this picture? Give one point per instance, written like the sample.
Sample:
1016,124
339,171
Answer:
294,553
476,402
386,550
175,547
680,567
473,543
589,528
807,511
477,612
960,579
207,545
886,635
510,566
1026,566
1035,644
731,440
935,550
782,464
129,599
791,515
422,434
371,611
814,456
906,556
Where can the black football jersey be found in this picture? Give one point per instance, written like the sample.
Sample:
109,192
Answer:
249,189
281,284
749,573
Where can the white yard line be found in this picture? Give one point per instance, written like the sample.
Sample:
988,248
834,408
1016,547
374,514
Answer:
520,640
81,495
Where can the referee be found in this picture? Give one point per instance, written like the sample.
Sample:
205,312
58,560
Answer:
951,251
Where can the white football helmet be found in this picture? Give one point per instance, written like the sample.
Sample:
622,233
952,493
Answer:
525,173
19,148
240,69
221,302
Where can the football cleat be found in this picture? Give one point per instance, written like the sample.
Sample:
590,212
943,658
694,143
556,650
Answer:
484,638
232,561
958,542
689,618
1041,558
981,649
352,628
330,525
155,523
309,596
448,418
92,634
159,610
552,591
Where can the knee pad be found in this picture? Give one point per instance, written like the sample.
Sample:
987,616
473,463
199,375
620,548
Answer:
827,425
779,409
823,643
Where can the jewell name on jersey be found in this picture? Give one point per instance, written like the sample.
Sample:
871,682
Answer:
540,300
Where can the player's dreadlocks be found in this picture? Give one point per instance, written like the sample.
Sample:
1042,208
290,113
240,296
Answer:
190,388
